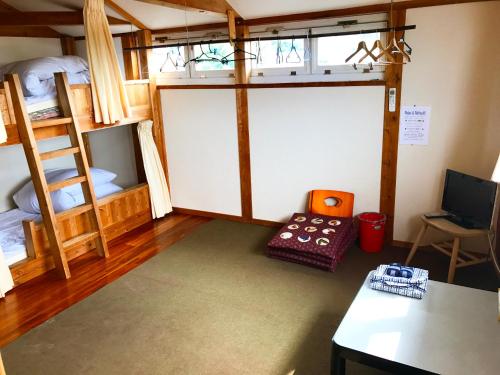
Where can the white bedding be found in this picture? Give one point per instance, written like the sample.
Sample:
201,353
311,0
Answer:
12,236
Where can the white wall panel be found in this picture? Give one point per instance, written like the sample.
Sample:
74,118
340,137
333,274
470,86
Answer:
314,138
202,149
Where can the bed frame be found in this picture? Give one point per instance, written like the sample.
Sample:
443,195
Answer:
119,213
139,96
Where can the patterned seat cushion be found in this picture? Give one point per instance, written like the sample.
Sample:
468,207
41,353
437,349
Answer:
313,239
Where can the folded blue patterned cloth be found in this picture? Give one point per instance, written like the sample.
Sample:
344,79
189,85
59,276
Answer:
414,286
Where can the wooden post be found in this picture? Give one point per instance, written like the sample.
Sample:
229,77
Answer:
130,58
393,79
144,39
241,77
68,45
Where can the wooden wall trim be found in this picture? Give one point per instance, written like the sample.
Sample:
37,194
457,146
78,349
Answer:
272,85
216,215
393,78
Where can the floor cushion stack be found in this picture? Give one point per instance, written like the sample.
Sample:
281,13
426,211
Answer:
314,240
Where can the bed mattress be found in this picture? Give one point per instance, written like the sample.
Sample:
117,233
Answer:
315,240
42,107
12,240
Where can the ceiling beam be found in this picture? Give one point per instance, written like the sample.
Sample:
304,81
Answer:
31,32
48,18
216,6
122,12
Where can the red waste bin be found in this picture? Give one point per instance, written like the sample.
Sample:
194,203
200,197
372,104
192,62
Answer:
371,231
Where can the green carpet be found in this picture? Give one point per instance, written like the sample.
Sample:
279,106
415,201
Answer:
211,304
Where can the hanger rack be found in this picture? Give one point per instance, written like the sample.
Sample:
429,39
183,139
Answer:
272,38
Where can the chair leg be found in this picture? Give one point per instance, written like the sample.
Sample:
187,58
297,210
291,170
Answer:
453,260
416,244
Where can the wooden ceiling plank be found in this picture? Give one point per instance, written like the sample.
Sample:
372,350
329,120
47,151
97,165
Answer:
122,12
16,18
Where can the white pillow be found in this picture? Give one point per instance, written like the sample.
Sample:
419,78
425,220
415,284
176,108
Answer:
99,177
100,192
64,198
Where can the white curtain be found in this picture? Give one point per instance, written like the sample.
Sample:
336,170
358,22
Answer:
3,132
108,91
6,282
158,188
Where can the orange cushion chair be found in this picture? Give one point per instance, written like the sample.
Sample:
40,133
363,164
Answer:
331,203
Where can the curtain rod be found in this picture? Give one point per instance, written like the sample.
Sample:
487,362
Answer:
267,38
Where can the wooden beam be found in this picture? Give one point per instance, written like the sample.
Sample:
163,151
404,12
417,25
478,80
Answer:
11,18
182,29
68,45
241,78
393,79
216,6
122,12
231,25
29,32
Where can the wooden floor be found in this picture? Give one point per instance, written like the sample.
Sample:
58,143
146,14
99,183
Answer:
36,301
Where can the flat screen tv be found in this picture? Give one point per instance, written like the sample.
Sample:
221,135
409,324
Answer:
469,201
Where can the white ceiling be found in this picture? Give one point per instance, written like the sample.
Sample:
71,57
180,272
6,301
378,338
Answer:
158,17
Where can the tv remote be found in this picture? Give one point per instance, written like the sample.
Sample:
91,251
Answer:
437,215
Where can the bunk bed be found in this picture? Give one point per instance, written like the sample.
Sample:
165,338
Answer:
118,213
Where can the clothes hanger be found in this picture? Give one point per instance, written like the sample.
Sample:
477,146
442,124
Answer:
361,47
293,52
259,54
203,57
376,45
279,53
408,47
225,60
397,49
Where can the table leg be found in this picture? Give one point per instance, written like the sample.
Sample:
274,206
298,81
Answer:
453,260
416,244
337,361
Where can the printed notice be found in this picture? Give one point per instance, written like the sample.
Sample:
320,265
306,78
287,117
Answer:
414,125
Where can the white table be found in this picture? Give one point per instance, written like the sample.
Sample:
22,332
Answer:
452,330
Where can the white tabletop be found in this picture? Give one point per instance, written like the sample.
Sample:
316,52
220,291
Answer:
452,330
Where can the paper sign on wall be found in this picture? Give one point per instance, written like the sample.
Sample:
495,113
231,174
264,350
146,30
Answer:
414,125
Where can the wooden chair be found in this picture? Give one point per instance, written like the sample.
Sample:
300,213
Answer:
452,248
331,203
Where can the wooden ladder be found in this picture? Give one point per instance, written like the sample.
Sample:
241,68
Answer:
27,129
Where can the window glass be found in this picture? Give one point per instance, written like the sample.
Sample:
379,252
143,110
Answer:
334,50
168,59
284,53
211,54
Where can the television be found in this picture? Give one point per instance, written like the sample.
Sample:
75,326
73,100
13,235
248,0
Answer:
469,201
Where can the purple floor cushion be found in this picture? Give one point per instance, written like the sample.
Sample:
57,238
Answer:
315,240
